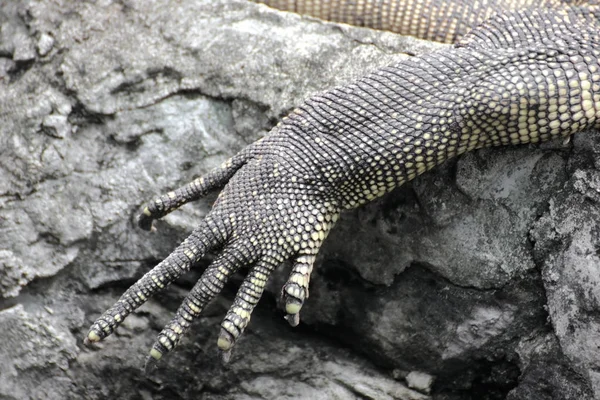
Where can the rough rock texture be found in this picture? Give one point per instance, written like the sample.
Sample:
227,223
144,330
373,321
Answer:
478,281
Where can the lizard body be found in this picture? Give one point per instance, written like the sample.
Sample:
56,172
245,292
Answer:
521,77
436,20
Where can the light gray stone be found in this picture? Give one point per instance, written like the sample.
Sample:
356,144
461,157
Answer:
44,44
33,350
420,381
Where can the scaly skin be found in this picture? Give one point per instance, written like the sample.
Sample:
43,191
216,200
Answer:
438,20
519,78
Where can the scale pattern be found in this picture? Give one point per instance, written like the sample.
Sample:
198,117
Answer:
522,77
437,20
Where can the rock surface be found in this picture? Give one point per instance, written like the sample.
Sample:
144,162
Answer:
477,281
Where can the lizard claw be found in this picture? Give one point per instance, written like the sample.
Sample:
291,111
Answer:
225,357
293,319
151,363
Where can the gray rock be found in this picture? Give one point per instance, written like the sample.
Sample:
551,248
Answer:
35,350
420,381
567,239
44,44
104,105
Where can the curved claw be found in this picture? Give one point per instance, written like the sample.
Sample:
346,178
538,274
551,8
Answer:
293,319
225,356
151,363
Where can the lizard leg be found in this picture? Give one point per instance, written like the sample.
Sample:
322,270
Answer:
209,286
177,263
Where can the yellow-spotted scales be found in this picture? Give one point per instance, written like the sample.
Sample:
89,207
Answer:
521,77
